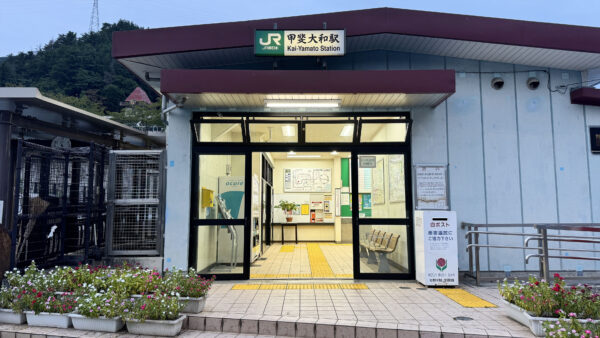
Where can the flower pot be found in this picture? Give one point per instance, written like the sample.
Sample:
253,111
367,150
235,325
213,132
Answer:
104,324
192,304
8,316
289,219
155,327
48,319
533,323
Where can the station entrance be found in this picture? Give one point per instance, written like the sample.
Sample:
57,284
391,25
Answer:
302,196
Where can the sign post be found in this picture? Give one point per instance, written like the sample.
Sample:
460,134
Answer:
300,42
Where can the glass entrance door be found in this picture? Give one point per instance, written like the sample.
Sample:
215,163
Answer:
381,204
219,230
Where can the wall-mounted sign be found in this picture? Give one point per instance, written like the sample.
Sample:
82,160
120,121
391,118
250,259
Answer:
431,187
299,42
595,139
367,161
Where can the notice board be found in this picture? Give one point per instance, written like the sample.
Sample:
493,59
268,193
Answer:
431,187
307,180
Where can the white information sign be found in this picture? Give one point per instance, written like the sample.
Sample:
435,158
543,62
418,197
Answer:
307,180
431,187
299,42
436,248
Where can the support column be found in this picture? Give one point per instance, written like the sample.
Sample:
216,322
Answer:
7,109
6,126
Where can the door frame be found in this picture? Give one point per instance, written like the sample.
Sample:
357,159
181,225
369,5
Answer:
247,148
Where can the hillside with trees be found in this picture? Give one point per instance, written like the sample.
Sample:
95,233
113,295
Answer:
81,72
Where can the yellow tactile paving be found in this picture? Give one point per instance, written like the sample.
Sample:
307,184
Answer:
465,298
287,248
350,286
318,263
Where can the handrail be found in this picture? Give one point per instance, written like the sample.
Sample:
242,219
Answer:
542,236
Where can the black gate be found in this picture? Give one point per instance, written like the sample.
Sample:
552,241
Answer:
59,209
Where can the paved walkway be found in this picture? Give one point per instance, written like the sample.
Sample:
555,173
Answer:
381,309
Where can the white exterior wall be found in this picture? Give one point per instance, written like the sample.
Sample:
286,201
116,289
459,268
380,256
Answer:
514,155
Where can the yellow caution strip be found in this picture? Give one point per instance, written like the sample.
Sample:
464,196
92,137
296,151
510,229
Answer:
287,248
465,298
318,263
349,286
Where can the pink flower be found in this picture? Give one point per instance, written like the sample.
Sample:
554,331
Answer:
143,307
572,314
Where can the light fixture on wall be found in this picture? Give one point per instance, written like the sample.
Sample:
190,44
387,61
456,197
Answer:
334,153
347,130
291,152
288,131
302,103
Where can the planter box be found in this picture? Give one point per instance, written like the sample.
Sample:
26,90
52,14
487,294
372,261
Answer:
48,319
97,324
192,305
532,322
8,316
168,328
189,304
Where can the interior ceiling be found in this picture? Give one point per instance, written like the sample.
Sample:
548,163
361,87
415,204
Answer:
522,55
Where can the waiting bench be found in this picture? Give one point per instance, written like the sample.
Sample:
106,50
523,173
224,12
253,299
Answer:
382,243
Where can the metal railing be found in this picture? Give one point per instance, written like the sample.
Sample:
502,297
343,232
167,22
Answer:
542,237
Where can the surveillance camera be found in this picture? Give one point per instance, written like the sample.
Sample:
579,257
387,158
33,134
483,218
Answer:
497,83
533,83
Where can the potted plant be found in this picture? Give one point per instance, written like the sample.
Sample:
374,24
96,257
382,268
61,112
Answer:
287,208
537,301
48,309
154,315
100,312
10,311
191,289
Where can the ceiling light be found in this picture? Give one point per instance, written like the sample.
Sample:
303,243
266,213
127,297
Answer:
334,152
288,131
303,156
302,103
291,152
347,130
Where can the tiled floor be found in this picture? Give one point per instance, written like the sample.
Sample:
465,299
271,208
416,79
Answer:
304,260
393,303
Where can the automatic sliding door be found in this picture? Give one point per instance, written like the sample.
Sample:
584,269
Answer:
381,216
219,224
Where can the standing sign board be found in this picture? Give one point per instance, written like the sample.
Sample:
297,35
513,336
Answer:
431,187
300,42
436,248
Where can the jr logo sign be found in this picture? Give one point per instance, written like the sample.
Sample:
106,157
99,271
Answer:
268,43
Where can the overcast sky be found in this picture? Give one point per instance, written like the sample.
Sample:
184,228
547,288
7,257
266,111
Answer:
29,24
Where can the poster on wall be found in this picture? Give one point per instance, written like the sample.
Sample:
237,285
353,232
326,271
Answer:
307,180
231,190
431,187
396,178
338,199
378,188
255,196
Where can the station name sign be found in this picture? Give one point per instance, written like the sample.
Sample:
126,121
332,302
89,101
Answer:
300,42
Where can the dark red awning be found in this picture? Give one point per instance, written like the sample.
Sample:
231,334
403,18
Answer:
586,95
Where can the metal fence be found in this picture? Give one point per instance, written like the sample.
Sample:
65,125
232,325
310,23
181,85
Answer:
59,211
542,251
136,208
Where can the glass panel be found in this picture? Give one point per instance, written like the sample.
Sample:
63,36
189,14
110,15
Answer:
219,132
383,132
329,132
273,132
381,188
383,249
221,186
220,249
